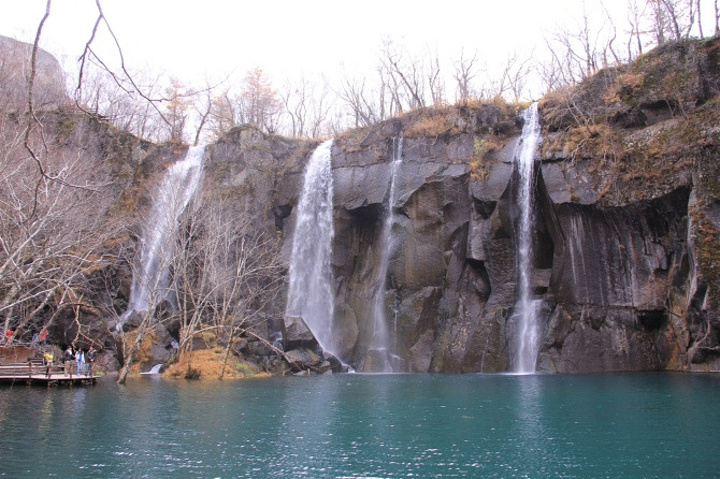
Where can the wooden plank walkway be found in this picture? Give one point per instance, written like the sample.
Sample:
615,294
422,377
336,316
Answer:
35,373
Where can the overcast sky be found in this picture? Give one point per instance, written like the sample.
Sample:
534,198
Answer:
191,39
213,40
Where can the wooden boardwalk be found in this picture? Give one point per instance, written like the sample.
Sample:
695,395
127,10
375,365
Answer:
35,373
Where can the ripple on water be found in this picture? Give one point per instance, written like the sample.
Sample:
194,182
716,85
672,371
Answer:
655,425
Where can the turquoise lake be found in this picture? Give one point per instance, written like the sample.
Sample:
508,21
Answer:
658,425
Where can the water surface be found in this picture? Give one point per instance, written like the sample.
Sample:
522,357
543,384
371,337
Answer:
585,426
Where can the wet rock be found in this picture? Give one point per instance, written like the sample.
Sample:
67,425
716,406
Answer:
159,354
303,358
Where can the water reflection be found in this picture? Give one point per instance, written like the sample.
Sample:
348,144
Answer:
45,415
534,447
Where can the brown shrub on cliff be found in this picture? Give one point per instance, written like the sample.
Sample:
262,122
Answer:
641,124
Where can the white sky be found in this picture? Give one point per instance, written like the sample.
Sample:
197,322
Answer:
191,39
203,42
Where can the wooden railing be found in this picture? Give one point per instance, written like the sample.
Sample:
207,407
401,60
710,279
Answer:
28,368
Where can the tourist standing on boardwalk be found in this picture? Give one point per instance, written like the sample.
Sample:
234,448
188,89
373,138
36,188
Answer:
80,359
91,354
48,358
68,361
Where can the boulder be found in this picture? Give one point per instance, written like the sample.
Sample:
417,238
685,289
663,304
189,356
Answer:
303,359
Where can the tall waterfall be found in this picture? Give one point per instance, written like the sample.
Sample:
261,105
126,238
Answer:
151,280
380,344
528,328
310,292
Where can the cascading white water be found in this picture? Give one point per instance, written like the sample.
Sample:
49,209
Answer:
310,292
528,330
151,279
381,339
154,370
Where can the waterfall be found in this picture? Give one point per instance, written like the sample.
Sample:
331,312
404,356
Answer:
380,343
151,280
528,328
310,292
157,369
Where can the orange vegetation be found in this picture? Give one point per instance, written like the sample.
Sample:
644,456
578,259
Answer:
207,364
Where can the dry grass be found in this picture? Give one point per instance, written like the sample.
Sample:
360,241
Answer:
481,163
586,141
624,87
431,123
207,363
142,355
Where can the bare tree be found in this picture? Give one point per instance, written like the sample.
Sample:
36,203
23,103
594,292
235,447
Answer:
609,49
227,273
436,83
295,98
223,115
364,107
50,234
512,78
53,201
405,74
577,53
306,107
659,21
699,18
672,19
635,41
259,103
123,79
464,74
319,109
176,109
203,106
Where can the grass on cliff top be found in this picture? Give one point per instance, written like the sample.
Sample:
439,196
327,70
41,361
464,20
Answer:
451,120
435,121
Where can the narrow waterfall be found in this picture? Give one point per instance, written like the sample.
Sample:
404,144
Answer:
380,344
151,280
528,328
310,293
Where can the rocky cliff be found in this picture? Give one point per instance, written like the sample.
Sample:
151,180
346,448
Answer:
626,226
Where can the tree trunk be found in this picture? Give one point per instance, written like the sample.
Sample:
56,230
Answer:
129,355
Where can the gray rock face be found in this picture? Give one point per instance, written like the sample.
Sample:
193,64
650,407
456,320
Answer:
621,285
614,271
49,82
625,265
614,281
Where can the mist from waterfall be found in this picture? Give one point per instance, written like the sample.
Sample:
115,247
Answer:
310,292
380,344
151,279
528,327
